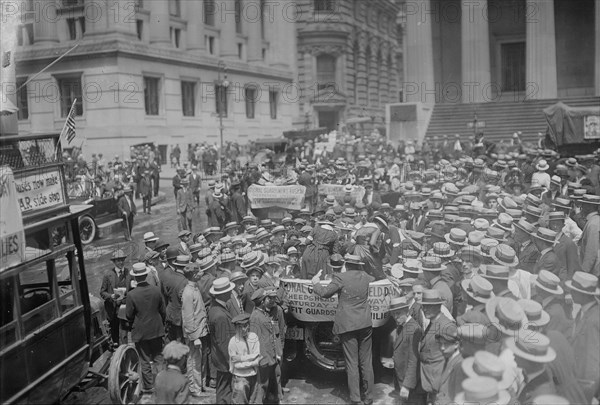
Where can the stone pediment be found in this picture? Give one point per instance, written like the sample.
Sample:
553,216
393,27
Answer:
329,95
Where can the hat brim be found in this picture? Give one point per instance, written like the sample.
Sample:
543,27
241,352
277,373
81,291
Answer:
490,311
503,398
448,240
445,256
535,235
482,300
144,273
118,257
151,239
437,269
504,228
570,286
439,302
230,288
514,263
546,358
467,367
559,290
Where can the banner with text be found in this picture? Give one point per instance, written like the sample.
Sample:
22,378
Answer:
288,197
40,191
306,306
12,233
337,190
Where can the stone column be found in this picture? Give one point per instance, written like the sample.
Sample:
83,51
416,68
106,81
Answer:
226,22
251,13
45,23
475,51
540,54
195,26
419,53
597,56
159,23
281,34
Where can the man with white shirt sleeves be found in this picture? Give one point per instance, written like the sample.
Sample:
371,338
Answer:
541,177
244,357
570,228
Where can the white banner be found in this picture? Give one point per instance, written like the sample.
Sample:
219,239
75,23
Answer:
12,234
39,191
307,306
337,190
288,197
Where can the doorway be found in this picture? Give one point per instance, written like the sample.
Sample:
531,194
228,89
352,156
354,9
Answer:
328,119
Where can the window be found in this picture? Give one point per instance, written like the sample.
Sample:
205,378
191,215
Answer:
139,27
264,54
22,102
188,98
221,100
273,96
210,45
70,89
72,27
238,16
325,71
175,34
262,19
513,66
82,25
250,97
151,95
324,5
209,12
240,48
25,34
174,8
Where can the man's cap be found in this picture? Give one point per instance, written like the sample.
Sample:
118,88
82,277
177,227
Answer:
241,319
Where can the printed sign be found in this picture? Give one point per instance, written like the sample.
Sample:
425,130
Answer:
337,190
39,191
288,197
591,127
306,306
12,234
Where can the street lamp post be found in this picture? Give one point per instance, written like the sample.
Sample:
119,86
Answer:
222,94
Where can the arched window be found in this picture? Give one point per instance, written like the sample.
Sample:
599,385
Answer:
368,70
326,71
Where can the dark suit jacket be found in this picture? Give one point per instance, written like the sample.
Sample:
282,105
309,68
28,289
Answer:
585,345
145,309
432,360
558,317
238,207
564,368
406,353
234,308
417,226
541,385
171,387
353,311
568,257
185,202
172,287
376,198
123,207
451,381
221,331
145,188
110,281
528,256
195,183
442,286
549,262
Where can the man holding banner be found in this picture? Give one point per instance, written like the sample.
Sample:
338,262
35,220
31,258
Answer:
353,324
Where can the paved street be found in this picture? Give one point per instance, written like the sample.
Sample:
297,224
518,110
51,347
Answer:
308,384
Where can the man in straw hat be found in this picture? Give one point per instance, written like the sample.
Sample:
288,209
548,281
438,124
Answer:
406,351
477,291
150,241
543,239
353,324
432,268
590,242
432,358
195,327
185,205
171,385
145,311
114,286
244,357
271,350
550,294
221,331
482,390
172,287
127,210
586,336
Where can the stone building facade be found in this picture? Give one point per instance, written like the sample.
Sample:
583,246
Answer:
151,70
349,62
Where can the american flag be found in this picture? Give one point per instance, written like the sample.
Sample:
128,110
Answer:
69,127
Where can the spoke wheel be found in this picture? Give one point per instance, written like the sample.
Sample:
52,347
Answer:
323,347
87,229
125,376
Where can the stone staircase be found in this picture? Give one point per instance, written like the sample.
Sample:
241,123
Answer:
502,119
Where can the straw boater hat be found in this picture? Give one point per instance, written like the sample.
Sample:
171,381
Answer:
221,285
584,283
536,315
456,236
431,263
537,350
542,165
487,364
150,237
545,234
504,222
432,297
506,315
207,263
181,261
441,250
118,254
398,303
548,282
139,269
525,226
470,253
353,259
590,199
336,261
183,233
504,255
478,288
238,275
251,259
231,225
412,266
261,293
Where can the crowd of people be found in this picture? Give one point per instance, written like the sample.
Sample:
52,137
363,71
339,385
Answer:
493,252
